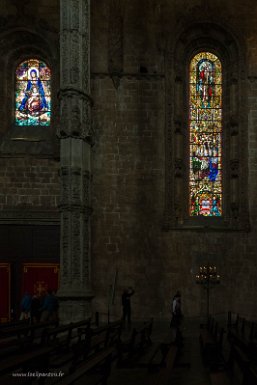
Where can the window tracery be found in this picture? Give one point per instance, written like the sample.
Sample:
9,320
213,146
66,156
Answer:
225,203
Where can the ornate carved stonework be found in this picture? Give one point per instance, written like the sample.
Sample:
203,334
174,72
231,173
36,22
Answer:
75,135
75,120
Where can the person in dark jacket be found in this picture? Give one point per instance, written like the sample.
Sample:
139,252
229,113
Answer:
49,308
25,306
176,310
126,306
35,309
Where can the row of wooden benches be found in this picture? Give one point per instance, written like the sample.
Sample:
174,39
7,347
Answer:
157,359
78,349
137,351
242,336
21,335
211,341
241,344
73,349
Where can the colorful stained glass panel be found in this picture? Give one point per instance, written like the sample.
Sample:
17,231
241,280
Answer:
205,125
33,94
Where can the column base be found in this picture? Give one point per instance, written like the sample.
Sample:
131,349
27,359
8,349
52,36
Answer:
74,307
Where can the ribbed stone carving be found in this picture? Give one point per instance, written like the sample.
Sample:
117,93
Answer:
75,145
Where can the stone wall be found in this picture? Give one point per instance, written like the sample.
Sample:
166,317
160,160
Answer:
128,165
29,183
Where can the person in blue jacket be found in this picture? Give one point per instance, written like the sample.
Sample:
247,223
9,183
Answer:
25,306
49,307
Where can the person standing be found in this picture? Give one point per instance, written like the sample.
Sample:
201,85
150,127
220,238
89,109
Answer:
49,308
35,306
25,306
126,306
176,310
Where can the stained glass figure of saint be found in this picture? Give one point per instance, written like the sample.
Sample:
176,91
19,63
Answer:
33,93
205,126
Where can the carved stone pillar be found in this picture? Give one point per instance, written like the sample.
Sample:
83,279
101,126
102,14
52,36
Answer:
75,170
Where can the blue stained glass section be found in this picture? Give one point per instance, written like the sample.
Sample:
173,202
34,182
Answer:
33,94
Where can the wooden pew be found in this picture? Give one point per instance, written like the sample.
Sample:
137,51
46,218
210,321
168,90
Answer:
240,369
207,334
21,338
62,339
130,351
243,362
163,360
238,363
243,351
253,332
57,343
244,337
220,378
13,324
155,355
37,358
250,377
25,330
95,348
11,345
94,340
63,335
238,326
139,351
114,333
211,342
163,377
96,369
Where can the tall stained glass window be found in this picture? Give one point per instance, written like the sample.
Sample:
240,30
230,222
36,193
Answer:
33,94
205,125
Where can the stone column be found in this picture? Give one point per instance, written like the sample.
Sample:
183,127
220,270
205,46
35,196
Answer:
75,151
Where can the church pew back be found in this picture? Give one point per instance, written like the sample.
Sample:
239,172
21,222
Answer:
36,358
100,361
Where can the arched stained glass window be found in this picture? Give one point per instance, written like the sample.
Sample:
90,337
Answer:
205,126
33,94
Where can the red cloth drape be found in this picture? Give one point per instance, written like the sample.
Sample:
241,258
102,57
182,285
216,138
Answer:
4,292
40,277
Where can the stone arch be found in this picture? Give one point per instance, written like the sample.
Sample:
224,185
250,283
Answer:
19,45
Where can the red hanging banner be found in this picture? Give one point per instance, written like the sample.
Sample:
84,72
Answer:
40,277
5,292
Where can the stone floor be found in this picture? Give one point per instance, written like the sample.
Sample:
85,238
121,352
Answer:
195,374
